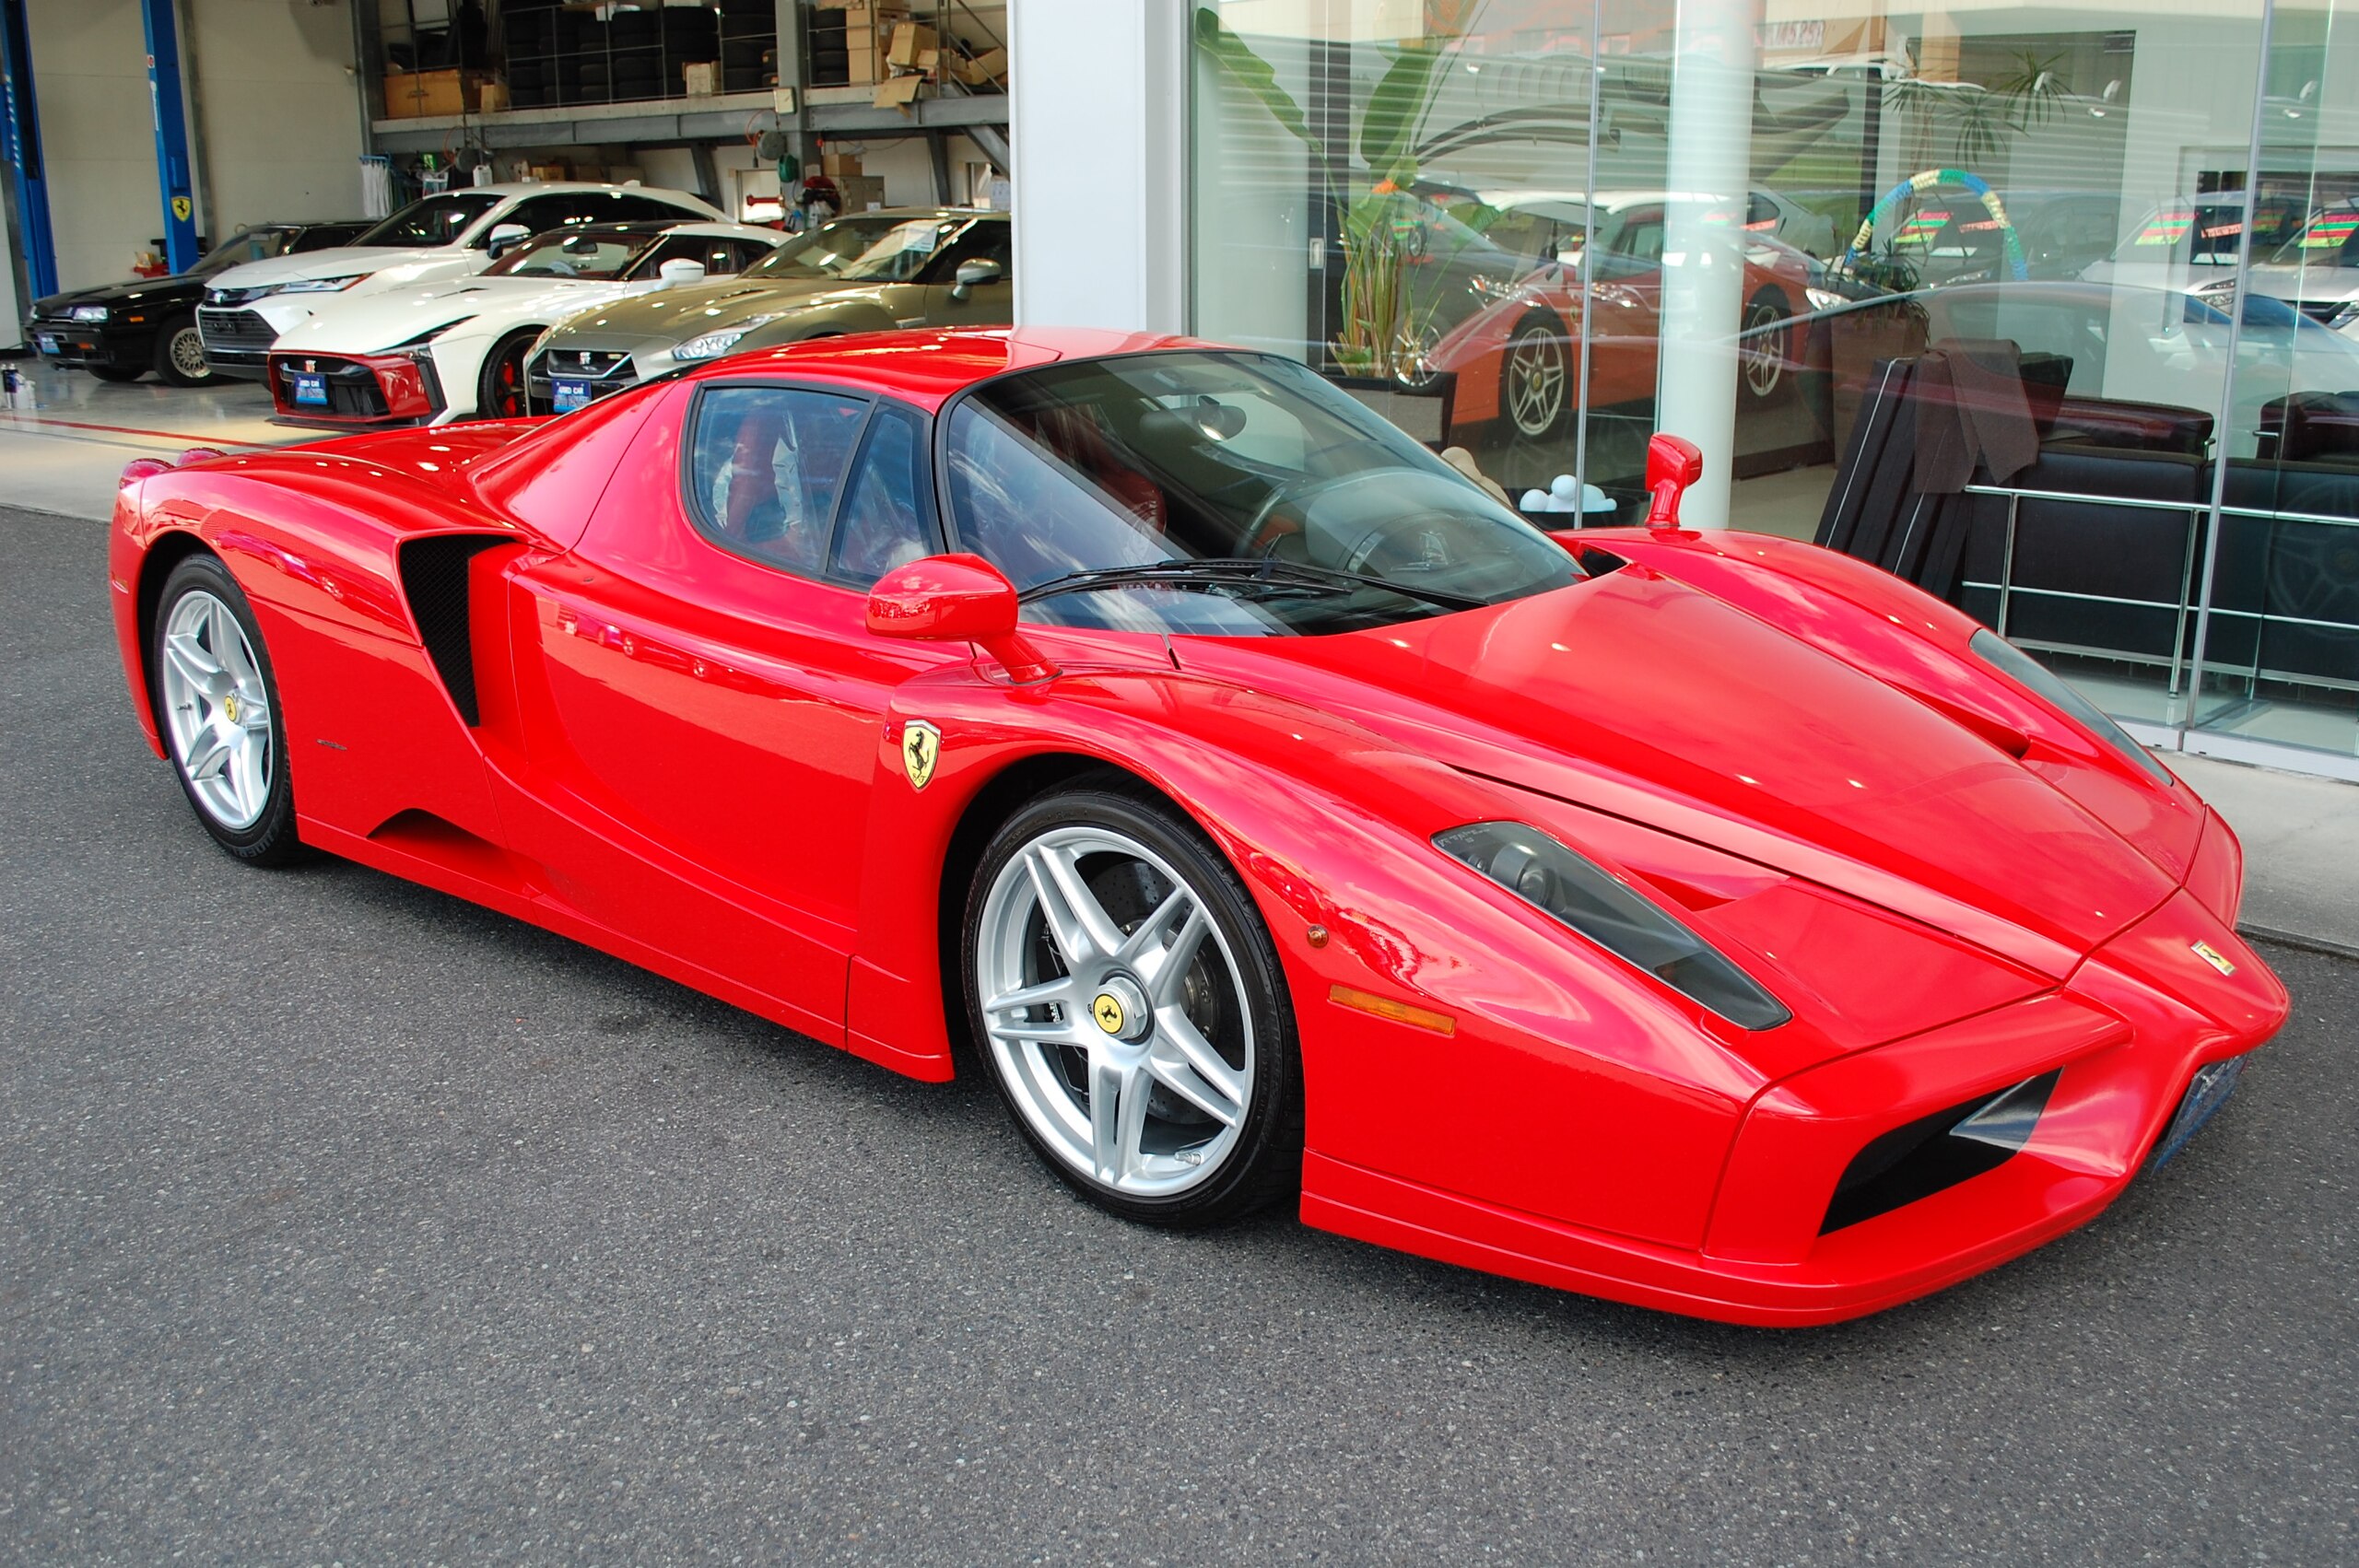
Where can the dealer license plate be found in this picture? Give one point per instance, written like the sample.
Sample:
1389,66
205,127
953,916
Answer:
47,343
2214,1082
570,395
311,390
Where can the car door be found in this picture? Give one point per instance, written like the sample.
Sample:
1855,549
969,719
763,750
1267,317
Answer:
705,702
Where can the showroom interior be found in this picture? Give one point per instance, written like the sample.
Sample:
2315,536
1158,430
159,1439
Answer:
2052,309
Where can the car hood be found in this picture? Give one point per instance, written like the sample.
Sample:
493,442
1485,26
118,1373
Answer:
2306,282
365,322
1638,696
677,314
341,260
154,291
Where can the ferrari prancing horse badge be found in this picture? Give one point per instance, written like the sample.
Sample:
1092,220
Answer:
921,745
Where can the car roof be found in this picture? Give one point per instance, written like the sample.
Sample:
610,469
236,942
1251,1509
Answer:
930,367
648,227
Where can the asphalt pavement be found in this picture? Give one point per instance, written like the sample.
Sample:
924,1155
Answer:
343,1222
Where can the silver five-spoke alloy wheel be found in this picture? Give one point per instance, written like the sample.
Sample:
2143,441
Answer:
216,710
1115,1011
1537,380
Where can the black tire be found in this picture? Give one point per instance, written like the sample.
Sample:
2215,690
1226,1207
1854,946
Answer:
500,389
1265,1163
180,354
1539,345
271,839
1766,368
120,375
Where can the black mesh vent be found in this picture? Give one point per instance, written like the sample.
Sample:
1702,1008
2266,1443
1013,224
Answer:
1937,1152
434,577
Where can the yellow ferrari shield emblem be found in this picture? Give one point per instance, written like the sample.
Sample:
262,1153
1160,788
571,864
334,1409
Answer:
2214,957
920,745
1108,1013
182,208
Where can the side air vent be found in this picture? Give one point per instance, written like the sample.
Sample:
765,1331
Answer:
1938,1152
434,579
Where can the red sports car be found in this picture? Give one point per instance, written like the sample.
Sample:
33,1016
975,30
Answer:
1705,922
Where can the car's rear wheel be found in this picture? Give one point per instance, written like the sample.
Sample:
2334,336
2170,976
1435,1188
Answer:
118,374
500,393
180,354
1536,375
216,706
1129,1001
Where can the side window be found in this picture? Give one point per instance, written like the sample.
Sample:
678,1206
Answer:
714,253
988,239
766,466
742,253
884,523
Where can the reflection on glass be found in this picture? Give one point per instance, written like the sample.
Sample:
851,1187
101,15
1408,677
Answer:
2016,313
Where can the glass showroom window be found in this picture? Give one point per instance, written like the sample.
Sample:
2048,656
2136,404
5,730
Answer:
1954,291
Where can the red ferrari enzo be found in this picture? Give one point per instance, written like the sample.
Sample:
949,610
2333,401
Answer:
1706,921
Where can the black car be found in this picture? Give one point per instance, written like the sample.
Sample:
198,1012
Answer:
122,331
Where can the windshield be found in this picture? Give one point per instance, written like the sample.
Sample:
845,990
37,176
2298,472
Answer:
1230,494
824,251
901,252
246,245
574,255
435,220
2329,239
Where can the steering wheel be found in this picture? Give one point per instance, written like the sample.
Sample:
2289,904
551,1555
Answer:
1287,511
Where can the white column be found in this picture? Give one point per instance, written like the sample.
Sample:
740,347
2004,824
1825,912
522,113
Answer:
1703,279
1098,118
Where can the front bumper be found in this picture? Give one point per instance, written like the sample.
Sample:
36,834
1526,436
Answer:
588,373
238,333
2125,1038
363,391
91,345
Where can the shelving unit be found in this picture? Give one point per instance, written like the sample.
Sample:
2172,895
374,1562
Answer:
559,55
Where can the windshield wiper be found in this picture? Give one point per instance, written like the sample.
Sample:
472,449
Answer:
1230,572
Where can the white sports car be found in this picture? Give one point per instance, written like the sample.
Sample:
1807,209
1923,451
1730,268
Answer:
450,234
455,348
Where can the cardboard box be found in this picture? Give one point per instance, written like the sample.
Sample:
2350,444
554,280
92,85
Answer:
989,66
861,192
412,95
492,97
701,77
837,165
898,92
909,40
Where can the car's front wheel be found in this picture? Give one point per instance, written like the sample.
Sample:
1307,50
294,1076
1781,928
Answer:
500,395
1131,1005
180,354
216,706
1536,375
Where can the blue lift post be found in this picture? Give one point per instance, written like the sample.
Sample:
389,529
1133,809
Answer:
172,134
20,143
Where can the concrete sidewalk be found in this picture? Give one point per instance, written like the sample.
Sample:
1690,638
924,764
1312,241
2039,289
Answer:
2301,838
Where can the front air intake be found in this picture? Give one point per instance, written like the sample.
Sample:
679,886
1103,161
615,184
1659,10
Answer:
1938,1152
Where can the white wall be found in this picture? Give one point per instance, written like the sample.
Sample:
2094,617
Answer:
273,83
281,113
1098,115
98,142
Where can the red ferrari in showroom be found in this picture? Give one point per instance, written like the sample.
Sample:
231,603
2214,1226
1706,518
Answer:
1702,920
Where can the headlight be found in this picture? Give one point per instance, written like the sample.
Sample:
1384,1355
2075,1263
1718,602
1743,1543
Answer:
421,347
319,285
2030,673
1823,298
90,312
721,342
1609,912
2344,316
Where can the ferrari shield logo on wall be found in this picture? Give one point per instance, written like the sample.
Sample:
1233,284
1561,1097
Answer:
921,745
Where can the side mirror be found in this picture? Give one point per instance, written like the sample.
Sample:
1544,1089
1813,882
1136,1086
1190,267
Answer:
680,272
972,275
506,237
1673,464
956,599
